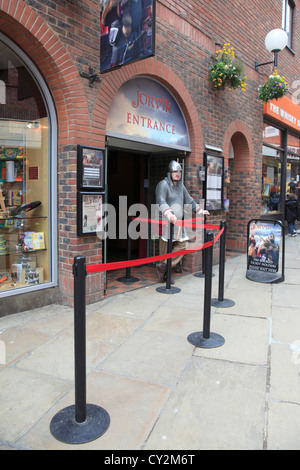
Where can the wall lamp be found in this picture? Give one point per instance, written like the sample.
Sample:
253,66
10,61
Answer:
276,40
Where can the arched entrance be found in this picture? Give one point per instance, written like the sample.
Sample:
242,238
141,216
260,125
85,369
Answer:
146,129
241,189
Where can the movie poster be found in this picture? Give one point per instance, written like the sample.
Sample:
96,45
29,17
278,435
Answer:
264,246
127,32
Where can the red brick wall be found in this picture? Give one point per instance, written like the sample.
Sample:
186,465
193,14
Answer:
62,38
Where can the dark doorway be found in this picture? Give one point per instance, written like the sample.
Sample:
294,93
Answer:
127,175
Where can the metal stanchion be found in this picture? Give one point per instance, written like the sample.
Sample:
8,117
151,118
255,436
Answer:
202,273
220,301
168,289
206,339
82,422
128,278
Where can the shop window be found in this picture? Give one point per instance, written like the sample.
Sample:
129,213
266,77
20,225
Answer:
293,164
271,180
272,135
25,175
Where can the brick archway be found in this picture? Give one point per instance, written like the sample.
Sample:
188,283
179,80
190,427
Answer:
28,30
240,190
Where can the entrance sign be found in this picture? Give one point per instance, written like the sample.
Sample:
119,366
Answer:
145,111
265,248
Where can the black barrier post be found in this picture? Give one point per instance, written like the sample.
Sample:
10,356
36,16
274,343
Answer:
81,422
206,339
168,289
128,278
220,301
202,274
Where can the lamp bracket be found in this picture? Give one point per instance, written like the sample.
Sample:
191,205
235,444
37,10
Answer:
264,63
92,76
275,61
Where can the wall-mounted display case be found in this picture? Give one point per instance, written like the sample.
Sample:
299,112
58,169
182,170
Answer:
214,182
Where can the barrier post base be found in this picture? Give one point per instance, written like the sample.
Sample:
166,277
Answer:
127,280
64,427
222,303
214,340
164,290
200,274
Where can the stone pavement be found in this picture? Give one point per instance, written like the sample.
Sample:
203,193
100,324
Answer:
160,391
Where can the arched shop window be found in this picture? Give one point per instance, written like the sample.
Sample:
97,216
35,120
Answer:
28,230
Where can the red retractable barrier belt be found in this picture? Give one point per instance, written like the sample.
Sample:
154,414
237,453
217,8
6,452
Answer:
95,268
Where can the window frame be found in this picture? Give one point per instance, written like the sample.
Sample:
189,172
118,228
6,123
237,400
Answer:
288,20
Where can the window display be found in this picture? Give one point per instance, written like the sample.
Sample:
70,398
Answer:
25,244
271,180
293,164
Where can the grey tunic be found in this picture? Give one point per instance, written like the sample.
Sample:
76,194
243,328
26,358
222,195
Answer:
174,197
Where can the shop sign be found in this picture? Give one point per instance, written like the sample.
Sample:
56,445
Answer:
145,111
265,241
284,111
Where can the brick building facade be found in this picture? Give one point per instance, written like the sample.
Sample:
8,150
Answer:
62,40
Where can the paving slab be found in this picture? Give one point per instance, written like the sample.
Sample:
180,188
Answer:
28,396
133,407
246,339
216,405
150,356
283,426
285,373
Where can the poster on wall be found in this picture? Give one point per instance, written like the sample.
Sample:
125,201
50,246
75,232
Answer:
90,168
127,32
214,182
264,242
89,213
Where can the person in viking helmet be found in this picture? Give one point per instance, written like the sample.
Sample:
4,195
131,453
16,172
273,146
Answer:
171,197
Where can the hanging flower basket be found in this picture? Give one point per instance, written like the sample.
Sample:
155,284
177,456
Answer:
274,88
227,71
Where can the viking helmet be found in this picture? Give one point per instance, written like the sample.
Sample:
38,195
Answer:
174,166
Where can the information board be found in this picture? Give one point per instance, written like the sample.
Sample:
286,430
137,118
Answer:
214,180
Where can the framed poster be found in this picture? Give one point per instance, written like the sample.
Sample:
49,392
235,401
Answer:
90,168
264,241
214,182
127,32
89,213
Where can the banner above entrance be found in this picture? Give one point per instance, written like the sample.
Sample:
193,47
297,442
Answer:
145,111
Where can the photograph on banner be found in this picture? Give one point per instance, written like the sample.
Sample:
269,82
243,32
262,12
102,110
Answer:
264,246
127,32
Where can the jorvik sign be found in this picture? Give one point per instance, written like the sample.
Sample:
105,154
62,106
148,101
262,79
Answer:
145,111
